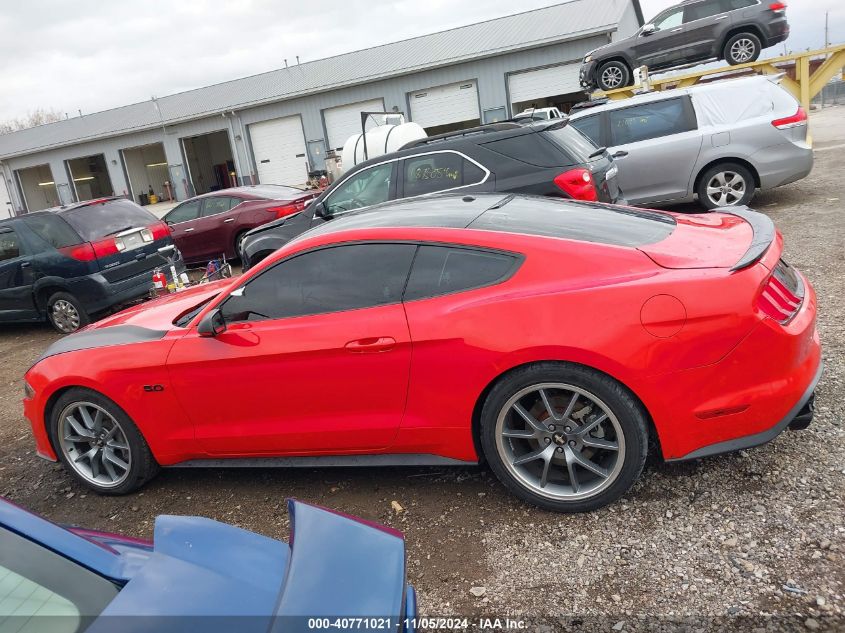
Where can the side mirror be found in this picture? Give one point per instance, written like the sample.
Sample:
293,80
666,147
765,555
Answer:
647,30
212,324
320,210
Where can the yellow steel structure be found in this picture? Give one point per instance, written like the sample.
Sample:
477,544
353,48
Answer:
804,87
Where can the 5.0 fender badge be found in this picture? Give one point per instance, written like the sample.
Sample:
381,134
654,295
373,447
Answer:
153,388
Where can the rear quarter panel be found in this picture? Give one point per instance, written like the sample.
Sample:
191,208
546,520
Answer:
590,314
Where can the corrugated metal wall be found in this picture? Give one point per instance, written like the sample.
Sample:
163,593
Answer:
490,74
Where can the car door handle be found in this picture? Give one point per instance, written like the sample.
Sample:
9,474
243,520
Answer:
373,344
721,17
187,230
677,30
26,264
620,154
229,220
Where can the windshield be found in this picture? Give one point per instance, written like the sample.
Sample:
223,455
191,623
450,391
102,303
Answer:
96,221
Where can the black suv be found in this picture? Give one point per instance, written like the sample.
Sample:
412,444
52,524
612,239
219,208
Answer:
693,31
68,263
547,158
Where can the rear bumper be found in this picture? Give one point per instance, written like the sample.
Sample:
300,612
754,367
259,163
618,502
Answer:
97,293
782,164
798,417
744,399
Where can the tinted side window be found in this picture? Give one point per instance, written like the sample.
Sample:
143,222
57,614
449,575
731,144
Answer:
368,187
53,230
9,245
669,20
218,204
589,126
438,172
184,212
331,279
649,120
440,270
700,10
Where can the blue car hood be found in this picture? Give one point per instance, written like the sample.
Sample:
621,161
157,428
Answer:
207,576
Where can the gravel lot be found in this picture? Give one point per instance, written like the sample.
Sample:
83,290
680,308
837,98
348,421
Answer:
748,541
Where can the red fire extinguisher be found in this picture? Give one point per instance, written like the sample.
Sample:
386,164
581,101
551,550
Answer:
159,280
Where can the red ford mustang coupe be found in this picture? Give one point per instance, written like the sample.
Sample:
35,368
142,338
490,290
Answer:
213,224
557,340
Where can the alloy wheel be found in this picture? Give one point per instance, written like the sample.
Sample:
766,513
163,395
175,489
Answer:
94,444
726,188
65,316
743,50
560,441
611,77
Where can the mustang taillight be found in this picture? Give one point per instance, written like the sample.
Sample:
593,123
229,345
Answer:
287,209
782,294
799,118
578,183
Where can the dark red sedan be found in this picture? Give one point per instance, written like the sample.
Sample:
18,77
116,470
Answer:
213,224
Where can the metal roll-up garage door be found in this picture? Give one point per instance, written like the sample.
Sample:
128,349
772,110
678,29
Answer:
444,105
278,146
546,82
345,121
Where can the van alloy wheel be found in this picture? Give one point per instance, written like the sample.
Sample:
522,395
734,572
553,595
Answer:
65,316
94,444
726,188
560,441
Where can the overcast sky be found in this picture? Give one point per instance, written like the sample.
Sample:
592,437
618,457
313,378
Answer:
96,55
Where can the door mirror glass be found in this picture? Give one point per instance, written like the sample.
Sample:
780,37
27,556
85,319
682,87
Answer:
647,30
212,324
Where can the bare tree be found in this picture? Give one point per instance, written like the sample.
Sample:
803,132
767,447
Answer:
39,116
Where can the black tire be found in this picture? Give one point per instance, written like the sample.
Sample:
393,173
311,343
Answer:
628,412
142,464
742,48
613,75
66,313
709,199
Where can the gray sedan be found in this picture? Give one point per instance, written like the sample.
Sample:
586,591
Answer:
719,141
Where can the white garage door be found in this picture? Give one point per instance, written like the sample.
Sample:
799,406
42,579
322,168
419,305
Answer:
546,82
279,149
345,121
445,104
5,200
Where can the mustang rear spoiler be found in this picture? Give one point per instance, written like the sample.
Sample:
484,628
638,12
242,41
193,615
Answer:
764,234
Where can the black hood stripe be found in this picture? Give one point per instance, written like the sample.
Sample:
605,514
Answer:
102,337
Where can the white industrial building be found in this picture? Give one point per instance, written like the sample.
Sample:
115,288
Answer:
277,126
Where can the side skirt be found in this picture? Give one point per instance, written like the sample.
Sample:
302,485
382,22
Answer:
326,461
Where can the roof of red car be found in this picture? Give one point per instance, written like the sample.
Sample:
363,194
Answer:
531,215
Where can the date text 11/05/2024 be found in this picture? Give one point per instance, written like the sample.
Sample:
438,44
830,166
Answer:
415,624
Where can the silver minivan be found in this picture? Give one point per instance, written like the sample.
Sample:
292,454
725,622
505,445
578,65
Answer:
718,141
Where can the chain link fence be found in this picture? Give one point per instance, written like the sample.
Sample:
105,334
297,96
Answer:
832,94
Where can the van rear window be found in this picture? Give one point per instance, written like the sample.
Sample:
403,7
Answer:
571,140
96,221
